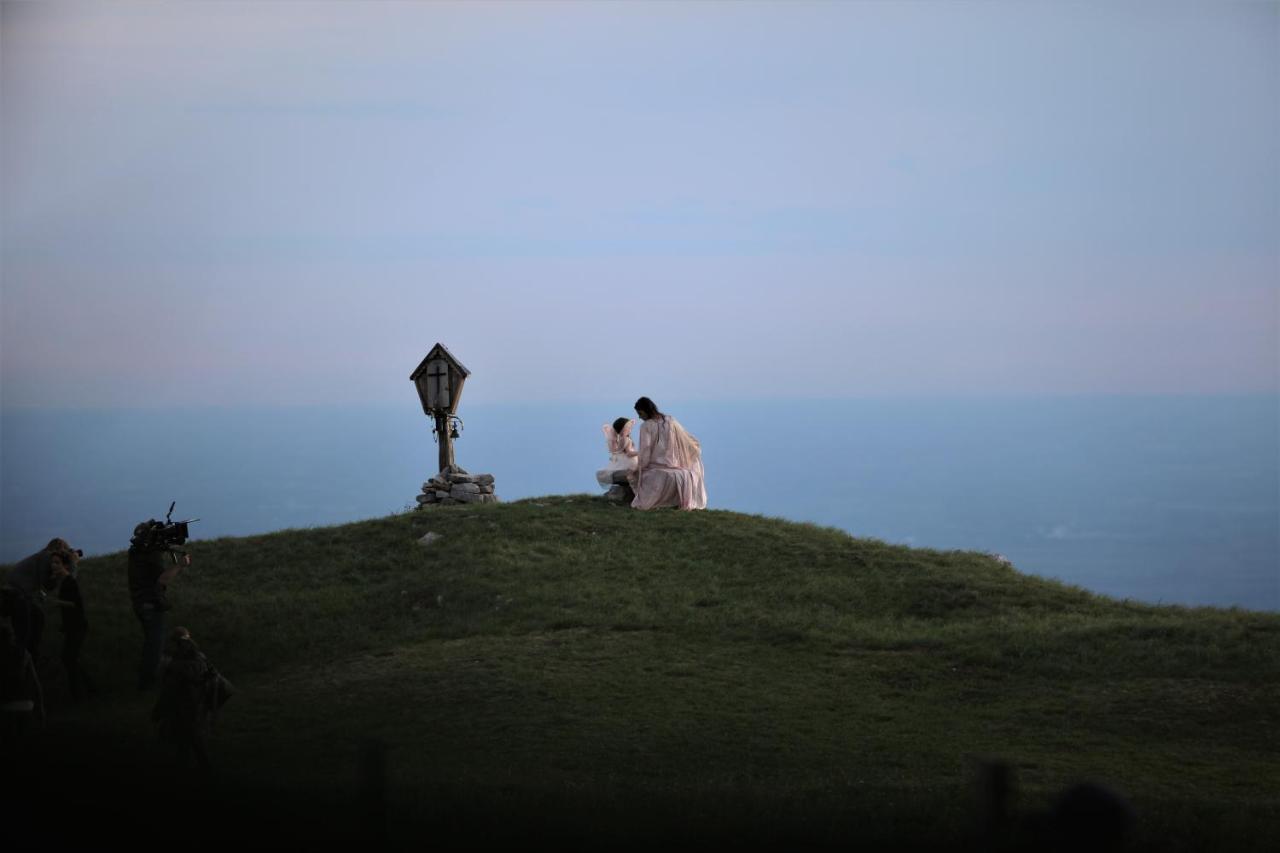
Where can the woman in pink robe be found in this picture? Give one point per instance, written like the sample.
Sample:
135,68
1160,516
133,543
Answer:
670,463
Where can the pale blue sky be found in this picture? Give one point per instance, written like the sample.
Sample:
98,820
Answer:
251,202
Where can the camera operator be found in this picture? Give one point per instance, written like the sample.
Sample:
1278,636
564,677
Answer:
75,627
154,562
26,587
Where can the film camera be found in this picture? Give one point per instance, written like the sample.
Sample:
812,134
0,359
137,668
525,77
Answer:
167,535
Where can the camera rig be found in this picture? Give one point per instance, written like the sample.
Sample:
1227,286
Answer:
167,535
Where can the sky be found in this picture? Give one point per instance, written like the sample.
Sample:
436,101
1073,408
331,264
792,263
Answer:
248,203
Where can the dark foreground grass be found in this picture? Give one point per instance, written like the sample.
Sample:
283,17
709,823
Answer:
566,668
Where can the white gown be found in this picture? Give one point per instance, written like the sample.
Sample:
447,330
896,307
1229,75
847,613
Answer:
622,454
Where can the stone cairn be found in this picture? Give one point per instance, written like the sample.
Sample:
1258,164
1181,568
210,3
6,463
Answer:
620,491
453,485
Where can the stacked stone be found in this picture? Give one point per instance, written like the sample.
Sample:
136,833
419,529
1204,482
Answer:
620,491
455,486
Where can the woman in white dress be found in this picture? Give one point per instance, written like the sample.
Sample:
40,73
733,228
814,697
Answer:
669,472
622,451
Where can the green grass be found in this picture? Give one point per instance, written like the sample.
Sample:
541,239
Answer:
610,674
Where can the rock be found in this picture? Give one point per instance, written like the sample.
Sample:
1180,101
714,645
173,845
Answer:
468,497
486,490
488,499
426,499
431,537
619,494
484,479
441,494
464,488
454,469
461,478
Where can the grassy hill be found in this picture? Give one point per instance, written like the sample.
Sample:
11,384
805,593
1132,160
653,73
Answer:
566,667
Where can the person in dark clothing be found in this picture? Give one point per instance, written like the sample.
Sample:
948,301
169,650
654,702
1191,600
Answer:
26,587
151,570
75,626
21,698
191,692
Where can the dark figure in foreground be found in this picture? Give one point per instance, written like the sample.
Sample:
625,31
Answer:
75,627
21,698
1085,818
152,568
1089,818
27,585
191,692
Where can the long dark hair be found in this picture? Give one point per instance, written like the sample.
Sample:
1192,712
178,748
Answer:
619,424
647,409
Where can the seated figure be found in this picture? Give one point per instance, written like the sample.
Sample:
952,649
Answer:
670,471
622,460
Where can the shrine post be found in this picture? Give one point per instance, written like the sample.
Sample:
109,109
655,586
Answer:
439,379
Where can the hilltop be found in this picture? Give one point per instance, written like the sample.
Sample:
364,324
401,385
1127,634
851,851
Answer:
569,667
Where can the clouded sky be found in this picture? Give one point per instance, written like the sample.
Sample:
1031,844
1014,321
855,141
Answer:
250,202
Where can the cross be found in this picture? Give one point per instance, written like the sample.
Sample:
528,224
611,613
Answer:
438,389
438,397
438,379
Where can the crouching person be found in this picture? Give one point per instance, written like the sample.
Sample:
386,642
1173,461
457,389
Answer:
191,693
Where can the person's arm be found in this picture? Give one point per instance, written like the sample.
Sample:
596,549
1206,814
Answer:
37,694
648,440
63,578
167,576
645,456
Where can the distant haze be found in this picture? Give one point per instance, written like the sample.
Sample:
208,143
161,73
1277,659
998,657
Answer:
244,203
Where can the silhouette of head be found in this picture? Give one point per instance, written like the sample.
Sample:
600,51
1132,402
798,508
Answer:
646,409
1091,817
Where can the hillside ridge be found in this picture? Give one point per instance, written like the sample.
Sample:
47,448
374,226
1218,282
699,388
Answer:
563,656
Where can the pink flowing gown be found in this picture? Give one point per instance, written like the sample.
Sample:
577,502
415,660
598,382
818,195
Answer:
670,471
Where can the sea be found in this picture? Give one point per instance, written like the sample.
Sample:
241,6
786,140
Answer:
1161,499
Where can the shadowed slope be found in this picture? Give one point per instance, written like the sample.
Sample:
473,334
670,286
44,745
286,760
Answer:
617,676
